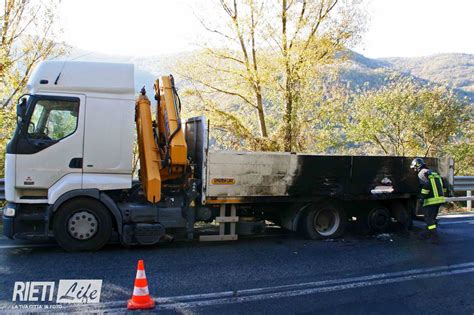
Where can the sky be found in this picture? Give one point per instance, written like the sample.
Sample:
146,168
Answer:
397,28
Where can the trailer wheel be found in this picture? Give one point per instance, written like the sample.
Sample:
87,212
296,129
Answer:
378,219
82,224
325,221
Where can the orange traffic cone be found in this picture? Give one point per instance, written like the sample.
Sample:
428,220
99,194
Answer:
141,298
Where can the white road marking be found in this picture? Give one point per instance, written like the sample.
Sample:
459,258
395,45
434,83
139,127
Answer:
456,222
27,246
246,295
293,293
465,215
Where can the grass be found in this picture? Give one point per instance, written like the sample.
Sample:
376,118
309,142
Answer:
453,208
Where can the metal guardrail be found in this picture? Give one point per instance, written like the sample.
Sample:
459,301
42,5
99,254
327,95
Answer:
463,183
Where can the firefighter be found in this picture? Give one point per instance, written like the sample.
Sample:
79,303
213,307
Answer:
432,196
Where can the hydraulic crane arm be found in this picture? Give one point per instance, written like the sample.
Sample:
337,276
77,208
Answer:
162,143
150,160
170,133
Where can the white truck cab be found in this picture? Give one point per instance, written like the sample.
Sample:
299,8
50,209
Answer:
77,134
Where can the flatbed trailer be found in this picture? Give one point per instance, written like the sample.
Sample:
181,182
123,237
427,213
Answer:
286,188
69,171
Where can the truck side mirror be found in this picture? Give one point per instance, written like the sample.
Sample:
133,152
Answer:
21,108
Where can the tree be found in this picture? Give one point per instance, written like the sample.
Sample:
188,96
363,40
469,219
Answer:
265,73
404,118
237,71
310,35
27,36
462,150
7,125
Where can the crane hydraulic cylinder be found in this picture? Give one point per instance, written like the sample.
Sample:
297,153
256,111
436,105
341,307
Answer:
149,155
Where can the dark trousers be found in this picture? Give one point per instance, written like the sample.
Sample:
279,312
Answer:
430,213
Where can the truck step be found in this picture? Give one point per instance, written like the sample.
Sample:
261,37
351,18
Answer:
223,220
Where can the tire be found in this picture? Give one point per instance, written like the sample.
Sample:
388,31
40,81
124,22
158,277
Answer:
82,224
324,221
378,219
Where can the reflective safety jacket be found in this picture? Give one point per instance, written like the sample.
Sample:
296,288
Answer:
432,190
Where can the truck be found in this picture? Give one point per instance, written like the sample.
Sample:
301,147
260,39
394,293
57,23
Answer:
69,171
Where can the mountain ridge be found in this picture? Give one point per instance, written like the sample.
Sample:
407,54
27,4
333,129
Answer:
455,70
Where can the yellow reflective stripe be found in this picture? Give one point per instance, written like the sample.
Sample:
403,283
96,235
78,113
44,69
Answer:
433,186
433,201
425,191
441,185
432,227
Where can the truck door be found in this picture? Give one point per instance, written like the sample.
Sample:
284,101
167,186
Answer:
50,145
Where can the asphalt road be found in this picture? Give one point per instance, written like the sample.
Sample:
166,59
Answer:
278,274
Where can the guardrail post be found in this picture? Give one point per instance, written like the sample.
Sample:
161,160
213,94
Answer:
469,202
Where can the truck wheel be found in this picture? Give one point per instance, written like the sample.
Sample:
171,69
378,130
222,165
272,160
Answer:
325,221
378,219
82,224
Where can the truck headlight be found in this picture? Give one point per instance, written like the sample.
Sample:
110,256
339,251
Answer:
9,212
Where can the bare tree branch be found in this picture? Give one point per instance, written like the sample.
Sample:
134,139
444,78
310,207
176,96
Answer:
222,56
217,89
212,30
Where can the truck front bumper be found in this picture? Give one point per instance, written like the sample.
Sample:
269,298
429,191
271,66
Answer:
29,222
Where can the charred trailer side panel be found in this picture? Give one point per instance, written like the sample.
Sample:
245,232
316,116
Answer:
370,171
249,176
302,191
